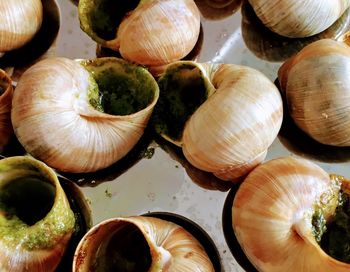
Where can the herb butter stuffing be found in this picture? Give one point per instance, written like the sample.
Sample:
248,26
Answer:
333,233
182,90
119,87
44,234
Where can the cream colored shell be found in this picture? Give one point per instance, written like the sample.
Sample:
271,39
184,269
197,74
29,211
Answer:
18,252
272,213
19,22
229,134
54,121
6,93
171,247
316,83
157,32
295,18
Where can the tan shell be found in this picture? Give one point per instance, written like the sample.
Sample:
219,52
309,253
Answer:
316,83
150,34
229,134
272,216
38,247
19,20
295,18
54,121
6,93
171,247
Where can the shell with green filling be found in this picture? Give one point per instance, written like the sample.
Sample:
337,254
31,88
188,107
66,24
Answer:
36,221
148,32
224,116
291,215
82,116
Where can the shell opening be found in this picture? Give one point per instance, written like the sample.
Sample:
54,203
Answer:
100,18
122,88
125,250
182,90
333,233
27,198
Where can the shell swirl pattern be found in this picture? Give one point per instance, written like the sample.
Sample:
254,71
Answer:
272,216
54,121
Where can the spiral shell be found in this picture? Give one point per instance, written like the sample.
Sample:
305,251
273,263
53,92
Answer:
153,33
20,21
166,246
296,19
227,115
57,117
31,242
317,87
272,215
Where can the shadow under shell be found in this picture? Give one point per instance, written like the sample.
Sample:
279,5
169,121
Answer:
22,58
229,233
196,231
83,222
201,178
267,45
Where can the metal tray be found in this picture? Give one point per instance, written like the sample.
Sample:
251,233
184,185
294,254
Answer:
155,177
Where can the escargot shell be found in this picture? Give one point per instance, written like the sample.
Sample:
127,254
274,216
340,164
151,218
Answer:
273,214
57,112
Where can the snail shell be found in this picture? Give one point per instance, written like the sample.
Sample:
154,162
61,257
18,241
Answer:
20,21
150,33
57,116
228,130
270,46
272,215
316,83
30,242
296,19
153,244
6,92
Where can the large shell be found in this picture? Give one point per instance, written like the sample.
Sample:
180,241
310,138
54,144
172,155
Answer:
236,113
153,33
36,221
6,92
151,243
56,118
316,83
19,20
299,18
272,216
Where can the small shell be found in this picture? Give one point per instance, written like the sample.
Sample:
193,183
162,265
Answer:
161,246
54,118
20,20
150,34
272,216
6,92
316,83
32,241
224,116
296,19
